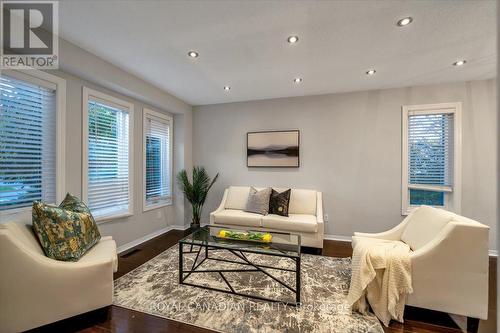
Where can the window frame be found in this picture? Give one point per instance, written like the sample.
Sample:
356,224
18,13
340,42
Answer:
47,80
453,199
89,94
149,112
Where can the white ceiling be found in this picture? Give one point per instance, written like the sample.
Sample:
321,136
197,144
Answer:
243,44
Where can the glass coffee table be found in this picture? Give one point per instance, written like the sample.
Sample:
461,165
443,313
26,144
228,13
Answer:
205,240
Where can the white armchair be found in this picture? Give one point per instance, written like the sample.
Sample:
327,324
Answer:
449,260
36,290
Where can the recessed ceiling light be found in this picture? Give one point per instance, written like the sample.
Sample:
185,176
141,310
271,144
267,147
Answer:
405,21
193,54
459,63
293,39
371,72
227,88
297,80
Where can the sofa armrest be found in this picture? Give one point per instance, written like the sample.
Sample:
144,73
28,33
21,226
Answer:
220,208
456,263
319,207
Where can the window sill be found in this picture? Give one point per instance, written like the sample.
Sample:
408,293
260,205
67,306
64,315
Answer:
19,213
109,218
156,206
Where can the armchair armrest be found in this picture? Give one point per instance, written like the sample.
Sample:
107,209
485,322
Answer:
220,208
456,263
392,234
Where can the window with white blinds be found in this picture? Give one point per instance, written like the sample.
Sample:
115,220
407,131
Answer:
430,147
107,185
157,159
429,155
27,142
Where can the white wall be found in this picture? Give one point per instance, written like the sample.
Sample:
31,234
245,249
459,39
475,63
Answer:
351,150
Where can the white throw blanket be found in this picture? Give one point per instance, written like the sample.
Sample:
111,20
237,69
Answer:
381,275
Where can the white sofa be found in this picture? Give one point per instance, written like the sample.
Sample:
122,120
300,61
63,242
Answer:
449,260
305,215
36,290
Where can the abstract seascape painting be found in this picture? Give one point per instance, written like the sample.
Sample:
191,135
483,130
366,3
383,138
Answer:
278,149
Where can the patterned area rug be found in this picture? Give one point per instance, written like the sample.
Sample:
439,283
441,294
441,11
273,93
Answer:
154,288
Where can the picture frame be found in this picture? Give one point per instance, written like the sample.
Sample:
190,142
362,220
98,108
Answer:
273,149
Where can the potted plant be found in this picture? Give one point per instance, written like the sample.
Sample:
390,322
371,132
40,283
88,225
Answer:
196,192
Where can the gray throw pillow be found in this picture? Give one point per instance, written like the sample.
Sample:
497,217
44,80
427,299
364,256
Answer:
258,201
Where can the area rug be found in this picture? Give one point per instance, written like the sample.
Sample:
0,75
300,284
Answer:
154,288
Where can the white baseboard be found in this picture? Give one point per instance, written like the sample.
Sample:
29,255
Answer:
492,253
147,237
338,238
179,227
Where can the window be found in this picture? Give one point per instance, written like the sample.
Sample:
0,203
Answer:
108,158
31,144
157,159
431,156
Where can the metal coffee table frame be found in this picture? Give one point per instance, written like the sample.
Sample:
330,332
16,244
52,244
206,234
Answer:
239,253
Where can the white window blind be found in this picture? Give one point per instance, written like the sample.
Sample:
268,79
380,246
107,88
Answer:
108,159
430,147
157,160
27,143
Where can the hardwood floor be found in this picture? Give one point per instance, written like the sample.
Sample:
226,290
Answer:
117,319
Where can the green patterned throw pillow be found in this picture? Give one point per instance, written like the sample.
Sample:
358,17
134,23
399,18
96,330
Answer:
65,234
90,234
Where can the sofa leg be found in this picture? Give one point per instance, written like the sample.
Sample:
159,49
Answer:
472,325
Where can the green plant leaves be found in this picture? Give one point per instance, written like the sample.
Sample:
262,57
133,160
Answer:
196,192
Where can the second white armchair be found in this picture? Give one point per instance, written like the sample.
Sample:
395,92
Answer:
449,260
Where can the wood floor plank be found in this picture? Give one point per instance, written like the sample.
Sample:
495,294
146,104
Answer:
118,319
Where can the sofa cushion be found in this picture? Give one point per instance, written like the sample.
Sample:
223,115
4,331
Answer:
237,217
279,202
104,250
302,202
237,197
294,222
258,201
423,225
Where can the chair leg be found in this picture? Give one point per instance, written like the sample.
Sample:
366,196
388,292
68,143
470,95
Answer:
472,325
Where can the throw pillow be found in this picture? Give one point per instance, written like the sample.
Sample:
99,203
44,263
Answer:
258,201
66,232
89,232
279,202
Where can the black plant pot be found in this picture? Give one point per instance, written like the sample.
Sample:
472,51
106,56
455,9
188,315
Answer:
195,226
